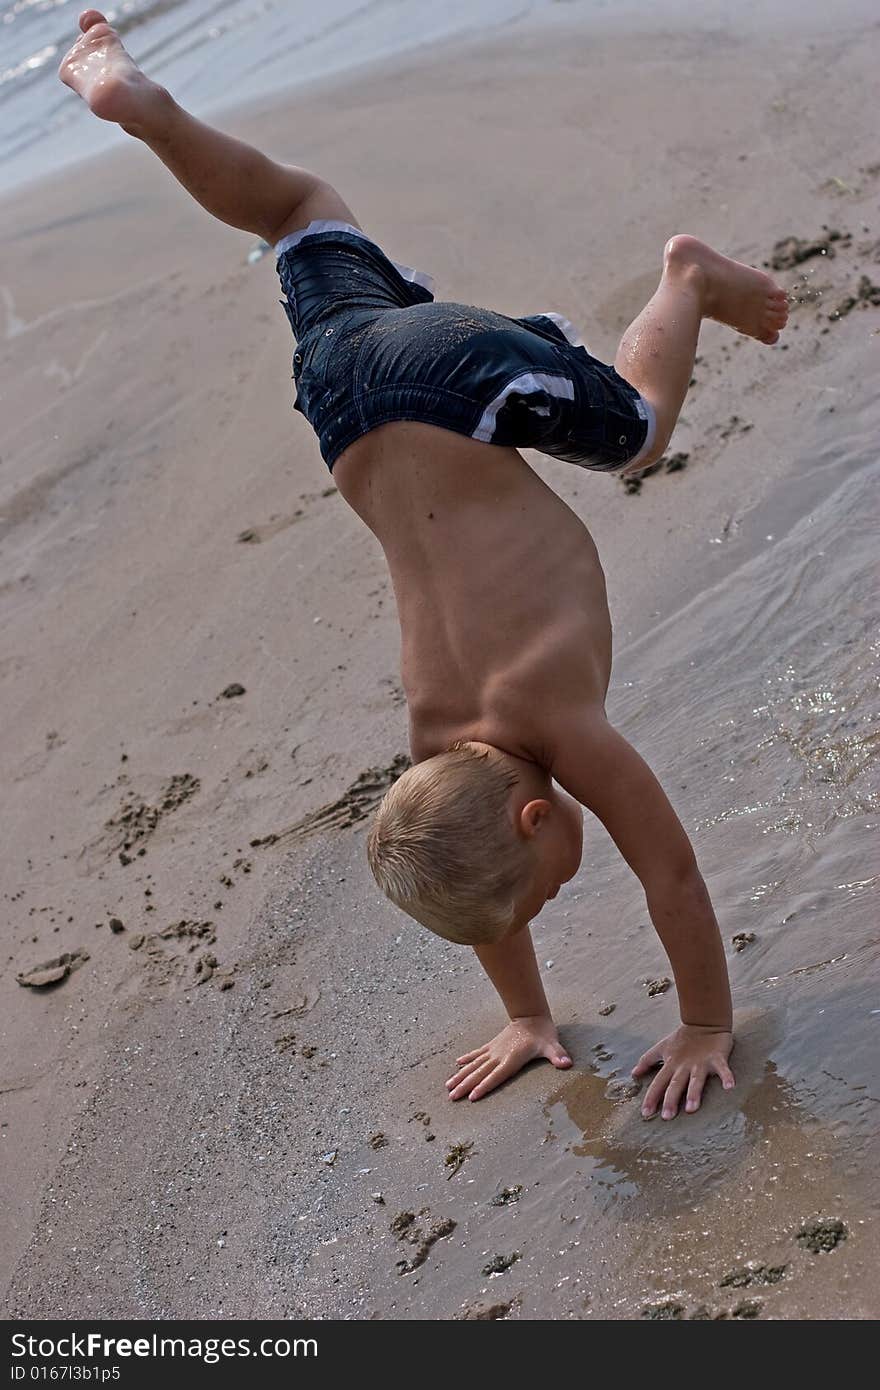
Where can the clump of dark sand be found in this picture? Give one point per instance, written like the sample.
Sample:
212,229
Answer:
673,464
657,986
820,1236
753,1274
793,250
193,933
742,940
487,1312
749,1308
506,1197
138,820
500,1264
735,426
867,294
404,1228
456,1156
661,1312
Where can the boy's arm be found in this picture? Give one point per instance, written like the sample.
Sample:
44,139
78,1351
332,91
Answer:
512,966
595,764
513,969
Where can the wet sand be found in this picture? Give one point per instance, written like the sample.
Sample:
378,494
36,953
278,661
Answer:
234,1105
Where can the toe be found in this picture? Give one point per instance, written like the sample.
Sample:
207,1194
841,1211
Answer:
90,17
770,338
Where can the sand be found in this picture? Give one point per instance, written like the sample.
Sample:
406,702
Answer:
234,1104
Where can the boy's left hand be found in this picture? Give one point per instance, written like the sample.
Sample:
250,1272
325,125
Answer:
520,1042
687,1058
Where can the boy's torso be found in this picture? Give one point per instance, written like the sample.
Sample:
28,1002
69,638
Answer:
499,589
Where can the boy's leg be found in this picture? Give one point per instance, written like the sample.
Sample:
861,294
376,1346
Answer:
234,182
656,353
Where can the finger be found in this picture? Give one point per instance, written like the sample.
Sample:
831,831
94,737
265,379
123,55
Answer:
464,1072
473,1078
495,1077
470,1056
720,1067
695,1089
647,1061
655,1091
556,1053
674,1092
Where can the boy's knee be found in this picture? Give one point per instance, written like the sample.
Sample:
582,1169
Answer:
656,451
662,434
659,445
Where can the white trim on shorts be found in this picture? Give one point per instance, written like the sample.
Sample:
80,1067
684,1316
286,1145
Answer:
526,384
287,243
643,408
574,336
646,411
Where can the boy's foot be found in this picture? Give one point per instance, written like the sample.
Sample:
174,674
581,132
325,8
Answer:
101,72
735,294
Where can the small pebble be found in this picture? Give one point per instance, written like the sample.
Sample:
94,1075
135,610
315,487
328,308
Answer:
658,986
742,940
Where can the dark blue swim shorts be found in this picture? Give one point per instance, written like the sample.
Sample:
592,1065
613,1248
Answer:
372,346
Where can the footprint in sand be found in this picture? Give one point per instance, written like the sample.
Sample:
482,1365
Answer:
130,830
421,1234
167,965
356,802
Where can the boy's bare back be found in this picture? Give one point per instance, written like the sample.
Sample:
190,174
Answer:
499,588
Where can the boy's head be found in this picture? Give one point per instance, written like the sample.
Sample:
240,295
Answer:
472,842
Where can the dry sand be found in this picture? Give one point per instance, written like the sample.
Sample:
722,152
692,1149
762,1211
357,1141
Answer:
195,1118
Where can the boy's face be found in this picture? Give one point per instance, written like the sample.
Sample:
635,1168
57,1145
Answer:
555,825
552,823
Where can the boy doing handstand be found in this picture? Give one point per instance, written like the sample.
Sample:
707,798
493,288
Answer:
420,408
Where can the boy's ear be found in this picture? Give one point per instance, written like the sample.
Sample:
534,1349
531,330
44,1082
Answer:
532,814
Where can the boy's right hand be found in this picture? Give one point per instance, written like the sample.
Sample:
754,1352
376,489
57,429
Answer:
521,1041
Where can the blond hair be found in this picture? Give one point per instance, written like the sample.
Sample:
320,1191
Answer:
444,850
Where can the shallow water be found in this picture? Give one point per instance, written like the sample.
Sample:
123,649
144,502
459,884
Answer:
770,682
204,50
214,53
